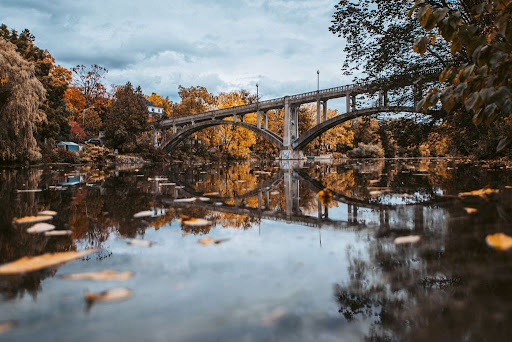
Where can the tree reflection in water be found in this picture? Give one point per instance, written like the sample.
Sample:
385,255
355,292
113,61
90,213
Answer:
447,286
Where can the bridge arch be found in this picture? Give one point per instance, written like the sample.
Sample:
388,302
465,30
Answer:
178,137
318,130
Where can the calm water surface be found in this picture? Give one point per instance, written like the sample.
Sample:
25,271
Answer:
293,267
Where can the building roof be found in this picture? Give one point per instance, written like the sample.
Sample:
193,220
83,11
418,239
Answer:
151,104
67,143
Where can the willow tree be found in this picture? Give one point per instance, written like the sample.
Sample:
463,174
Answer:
21,95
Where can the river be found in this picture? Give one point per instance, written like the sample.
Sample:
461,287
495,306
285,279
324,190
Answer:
267,259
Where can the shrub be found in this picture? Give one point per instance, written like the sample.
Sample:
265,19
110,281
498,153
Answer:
367,151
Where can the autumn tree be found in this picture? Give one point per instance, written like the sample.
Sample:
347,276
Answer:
161,102
53,77
126,118
21,95
479,35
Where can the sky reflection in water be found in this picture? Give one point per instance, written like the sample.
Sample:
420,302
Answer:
293,268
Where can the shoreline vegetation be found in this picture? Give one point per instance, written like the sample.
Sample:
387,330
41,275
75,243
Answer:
466,112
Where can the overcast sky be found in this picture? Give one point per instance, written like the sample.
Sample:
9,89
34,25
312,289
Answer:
220,44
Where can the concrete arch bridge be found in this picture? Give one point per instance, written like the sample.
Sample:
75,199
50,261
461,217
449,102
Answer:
291,144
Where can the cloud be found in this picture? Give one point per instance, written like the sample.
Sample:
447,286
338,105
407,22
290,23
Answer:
159,44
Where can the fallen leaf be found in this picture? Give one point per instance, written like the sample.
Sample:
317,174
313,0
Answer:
499,241
32,219
470,210
146,213
112,295
99,276
196,222
40,228
210,241
6,326
483,193
29,264
58,233
137,242
184,200
407,239
48,213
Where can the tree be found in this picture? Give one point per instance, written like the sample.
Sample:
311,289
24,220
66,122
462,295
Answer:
54,78
89,81
159,101
21,95
126,118
479,34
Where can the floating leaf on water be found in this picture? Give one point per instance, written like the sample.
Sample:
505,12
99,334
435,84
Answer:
483,193
407,239
325,196
100,276
204,199
210,241
112,295
185,200
470,210
196,222
137,242
6,326
29,264
58,233
146,213
158,179
32,219
211,194
32,190
508,186
47,213
499,241
40,228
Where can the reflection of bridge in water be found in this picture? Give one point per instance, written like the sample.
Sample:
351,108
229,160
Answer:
293,212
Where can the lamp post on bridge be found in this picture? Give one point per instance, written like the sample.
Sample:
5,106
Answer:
318,81
257,96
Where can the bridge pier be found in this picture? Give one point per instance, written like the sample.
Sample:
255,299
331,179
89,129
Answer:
258,119
354,104
265,119
347,98
318,117
174,129
287,121
325,110
235,118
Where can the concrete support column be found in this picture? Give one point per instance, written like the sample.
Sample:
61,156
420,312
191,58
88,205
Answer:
243,118
265,120
287,120
319,206
347,97
417,93
288,186
174,129
258,119
325,110
295,125
385,97
267,199
318,117
381,95
354,103
235,118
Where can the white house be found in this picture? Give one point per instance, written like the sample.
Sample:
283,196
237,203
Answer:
154,111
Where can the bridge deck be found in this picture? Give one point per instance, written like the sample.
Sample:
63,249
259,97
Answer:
293,100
